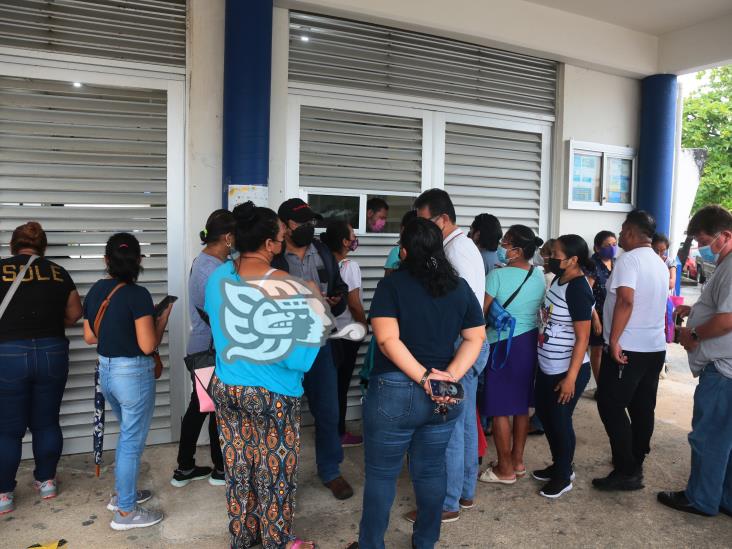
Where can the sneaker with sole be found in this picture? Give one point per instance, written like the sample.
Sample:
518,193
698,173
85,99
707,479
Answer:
617,481
466,503
47,489
139,518
142,497
7,503
181,479
340,488
217,478
447,516
349,440
545,475
555,488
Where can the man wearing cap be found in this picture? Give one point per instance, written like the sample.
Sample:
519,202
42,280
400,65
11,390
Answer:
307,258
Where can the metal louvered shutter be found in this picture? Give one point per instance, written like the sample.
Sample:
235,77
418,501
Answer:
491,170
338,52
87,162
358,150
148,31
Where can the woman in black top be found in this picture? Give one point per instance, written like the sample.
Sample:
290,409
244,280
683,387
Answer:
34,360
417,315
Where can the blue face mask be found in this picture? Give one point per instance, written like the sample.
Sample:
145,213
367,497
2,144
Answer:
707,254
501,251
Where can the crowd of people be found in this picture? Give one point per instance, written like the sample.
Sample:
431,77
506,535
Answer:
487,324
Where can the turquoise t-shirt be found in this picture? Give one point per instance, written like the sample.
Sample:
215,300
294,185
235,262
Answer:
283,375
392,261
501,283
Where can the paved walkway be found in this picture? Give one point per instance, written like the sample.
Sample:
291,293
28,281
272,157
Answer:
506,516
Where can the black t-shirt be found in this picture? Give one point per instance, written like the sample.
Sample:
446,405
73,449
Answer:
117,337
428,326
38,307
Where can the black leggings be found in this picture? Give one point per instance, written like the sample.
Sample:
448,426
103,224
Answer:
190,429
344,356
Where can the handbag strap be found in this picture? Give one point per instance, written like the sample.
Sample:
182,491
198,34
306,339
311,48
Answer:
103,308
15,285
514,294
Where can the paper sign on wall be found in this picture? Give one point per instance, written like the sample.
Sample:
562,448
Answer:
238,194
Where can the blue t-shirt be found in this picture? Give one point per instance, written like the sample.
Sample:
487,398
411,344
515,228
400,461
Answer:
202,268
283,376
428,326
117,337
501,283
392,261
490,260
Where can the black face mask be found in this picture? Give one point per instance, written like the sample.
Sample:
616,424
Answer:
303,235
552,265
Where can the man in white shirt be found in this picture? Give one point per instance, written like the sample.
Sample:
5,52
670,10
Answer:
462,450
635,349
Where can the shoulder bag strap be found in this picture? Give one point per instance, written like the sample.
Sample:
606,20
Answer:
103,308
514,294
15,285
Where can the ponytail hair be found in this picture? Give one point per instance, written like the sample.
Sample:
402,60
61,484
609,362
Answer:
575,246
522,237
426,260
219,223
254,226
336,231
123,257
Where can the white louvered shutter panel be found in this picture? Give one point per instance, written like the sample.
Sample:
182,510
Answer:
146,31
339,52
343,149
496,171
86,163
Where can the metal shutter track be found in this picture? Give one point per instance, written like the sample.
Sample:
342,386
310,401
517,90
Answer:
148,31
340,52
87,162
490,170
354,150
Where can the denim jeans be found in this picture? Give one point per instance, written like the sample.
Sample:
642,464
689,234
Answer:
321,390
399,418
33,375
128,384
556,418
462,450
710,481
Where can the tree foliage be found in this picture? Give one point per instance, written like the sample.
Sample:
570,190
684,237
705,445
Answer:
707,125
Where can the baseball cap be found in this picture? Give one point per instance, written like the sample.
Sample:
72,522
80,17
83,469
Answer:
298,210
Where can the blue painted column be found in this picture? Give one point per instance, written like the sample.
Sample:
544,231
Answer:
247,79
657,141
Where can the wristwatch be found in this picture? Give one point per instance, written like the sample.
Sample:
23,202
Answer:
694,335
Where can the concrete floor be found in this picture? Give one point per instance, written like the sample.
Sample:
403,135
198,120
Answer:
505,516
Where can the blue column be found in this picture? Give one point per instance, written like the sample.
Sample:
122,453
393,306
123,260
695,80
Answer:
657,141
247,79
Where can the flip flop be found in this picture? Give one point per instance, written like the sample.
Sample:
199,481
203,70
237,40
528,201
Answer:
490,477
298,543
519,474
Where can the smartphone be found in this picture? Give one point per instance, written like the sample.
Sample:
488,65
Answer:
448,389
160,307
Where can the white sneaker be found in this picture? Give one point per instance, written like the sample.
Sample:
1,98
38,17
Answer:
139,518
142,497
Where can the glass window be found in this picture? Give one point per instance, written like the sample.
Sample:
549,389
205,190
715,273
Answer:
586,177
619,180
336,207
398,206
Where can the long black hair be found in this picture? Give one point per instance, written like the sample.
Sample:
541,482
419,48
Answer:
336,231
219,223
490,231
601,237
522,237
123,257
254,226
426,260
575,246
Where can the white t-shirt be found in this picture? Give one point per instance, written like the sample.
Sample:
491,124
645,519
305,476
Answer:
465,258
351,275
646,273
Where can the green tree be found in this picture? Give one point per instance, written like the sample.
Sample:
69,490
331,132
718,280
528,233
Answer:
707,125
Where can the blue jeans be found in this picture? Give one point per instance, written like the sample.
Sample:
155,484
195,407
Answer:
462,450
399,418
321,390
710,481
33,375
557,418
128,384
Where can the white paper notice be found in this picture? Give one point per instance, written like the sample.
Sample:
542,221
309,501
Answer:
238,194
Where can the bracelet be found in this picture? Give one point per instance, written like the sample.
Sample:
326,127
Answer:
424,378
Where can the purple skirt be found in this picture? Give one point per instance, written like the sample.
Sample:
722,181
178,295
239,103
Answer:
510,390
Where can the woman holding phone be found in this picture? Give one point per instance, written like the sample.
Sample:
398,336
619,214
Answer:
417,315
127,336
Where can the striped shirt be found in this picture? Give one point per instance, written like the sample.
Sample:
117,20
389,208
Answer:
564,304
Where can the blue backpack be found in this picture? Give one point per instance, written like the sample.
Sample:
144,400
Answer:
501,320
